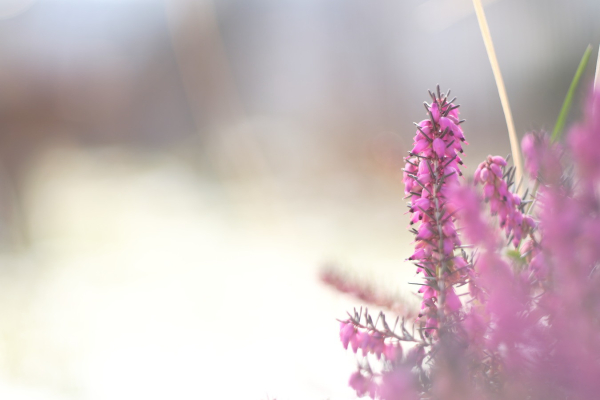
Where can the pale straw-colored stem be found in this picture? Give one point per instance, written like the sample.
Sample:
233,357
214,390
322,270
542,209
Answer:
489,46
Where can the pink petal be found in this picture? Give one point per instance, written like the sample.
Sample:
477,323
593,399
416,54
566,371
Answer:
439,147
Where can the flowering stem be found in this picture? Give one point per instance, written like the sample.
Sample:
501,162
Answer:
431,168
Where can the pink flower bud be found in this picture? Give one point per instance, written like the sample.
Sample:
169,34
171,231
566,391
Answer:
432,322
527,246
459,262
448,245
446,123
439,147
347,332
516,199
424,130
392,352
496,170
417,255
425,123
423,168
452,301
531,156
528,222
354,342
495,205
499,161
503,189
428,292
425,232
424,179
423,203
488,190
416,217
477,175
359,383
485,174
364,342
449,229
378,344
419,146
517,218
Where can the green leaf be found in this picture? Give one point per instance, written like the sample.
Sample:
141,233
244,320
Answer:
564,111
514,254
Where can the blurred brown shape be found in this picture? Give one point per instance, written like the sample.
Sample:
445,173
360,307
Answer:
370,294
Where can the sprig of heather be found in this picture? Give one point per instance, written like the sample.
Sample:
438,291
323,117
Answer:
431,167
378,339
335,278
360,332
503,316
508,206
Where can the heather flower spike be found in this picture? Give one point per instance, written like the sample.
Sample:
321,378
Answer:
507,205
432,166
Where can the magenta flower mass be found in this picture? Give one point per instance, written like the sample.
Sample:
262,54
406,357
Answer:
431,168
510,288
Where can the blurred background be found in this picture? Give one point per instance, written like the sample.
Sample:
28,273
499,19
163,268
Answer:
174,174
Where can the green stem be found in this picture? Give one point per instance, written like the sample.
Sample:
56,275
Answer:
564,111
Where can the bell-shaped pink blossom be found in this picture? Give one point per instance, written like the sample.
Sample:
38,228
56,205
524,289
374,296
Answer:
439,146
360,383
392,351
347,333
452,301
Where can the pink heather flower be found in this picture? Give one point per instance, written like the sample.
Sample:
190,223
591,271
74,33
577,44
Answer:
428,292
431,323
542,159
432,165
452,301
528,146
392,351
371,340
347,333
354,342
439,146
503,202
398,385
584,140
360,383
364,342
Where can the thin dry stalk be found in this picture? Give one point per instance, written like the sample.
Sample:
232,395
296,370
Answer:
489,46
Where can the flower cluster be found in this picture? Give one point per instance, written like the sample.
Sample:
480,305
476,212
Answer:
504,203
378,339
368,341
431,168
529,324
